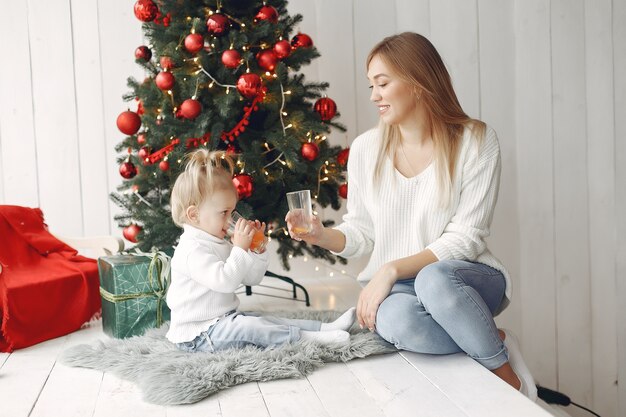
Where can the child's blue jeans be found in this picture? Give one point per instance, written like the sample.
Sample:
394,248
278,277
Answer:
448,308
243,329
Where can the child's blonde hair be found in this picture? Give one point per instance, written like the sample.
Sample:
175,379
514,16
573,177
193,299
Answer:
205,173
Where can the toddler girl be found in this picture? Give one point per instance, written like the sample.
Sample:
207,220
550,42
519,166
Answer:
207,269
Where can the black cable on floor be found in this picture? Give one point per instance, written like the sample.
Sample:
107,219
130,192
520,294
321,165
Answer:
586,409
555,397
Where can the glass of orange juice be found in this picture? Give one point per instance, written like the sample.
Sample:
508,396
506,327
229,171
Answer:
259,240
301,211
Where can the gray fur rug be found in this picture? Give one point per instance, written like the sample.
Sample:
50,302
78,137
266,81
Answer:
168,376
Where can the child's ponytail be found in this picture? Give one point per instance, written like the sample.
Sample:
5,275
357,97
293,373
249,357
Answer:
205,173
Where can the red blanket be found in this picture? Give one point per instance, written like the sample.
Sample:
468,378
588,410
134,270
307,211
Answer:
47,290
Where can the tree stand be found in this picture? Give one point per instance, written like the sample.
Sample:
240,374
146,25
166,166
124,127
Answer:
294,285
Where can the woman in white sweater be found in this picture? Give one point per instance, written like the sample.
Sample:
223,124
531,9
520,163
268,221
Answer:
422,190
206,269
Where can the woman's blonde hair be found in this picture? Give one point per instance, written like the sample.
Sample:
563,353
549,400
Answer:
205,173
414,60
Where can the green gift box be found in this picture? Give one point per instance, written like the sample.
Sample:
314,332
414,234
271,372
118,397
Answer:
133,289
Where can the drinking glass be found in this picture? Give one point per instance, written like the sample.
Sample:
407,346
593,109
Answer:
259,240
301,211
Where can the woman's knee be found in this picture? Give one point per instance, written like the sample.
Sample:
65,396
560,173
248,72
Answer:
393,319
436,285
435,277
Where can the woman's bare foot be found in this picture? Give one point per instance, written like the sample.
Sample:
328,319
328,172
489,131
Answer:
515,372
505,372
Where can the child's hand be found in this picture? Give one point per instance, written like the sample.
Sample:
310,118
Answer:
244,231
259,225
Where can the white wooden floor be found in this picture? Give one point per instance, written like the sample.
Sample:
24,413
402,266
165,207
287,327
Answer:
33,383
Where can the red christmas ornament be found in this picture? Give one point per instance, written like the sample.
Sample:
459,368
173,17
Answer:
140,109
190,109
128,122
231,58
146,10
267,13
217,24
194,42
164,80
143,52
282,49
301,40
326,108
143,153
128,170
243,184
166,63
164,166
249,85
132,232
141,138
267,59
309,151
163,20
342,157
343,190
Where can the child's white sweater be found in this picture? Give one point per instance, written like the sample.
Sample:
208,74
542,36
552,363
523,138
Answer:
206,271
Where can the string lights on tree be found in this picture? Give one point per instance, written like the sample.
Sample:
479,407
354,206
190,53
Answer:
224,75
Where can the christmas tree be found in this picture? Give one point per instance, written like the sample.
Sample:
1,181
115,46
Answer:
224,75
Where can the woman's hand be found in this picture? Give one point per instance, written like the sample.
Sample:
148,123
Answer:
313,236
244,231
373,295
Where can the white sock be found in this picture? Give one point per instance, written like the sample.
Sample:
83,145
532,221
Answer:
324,338
516,361
344,322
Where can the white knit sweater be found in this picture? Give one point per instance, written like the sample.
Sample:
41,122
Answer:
403,217
206,271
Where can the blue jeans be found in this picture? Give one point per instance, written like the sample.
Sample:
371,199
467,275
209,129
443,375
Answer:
448,308
243,329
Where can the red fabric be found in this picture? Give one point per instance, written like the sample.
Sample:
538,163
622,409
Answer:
47,290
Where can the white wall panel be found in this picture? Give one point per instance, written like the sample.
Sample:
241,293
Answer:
497,86
454,32
570,199
413,16
89,112
601,185
619,96
17,134
54,100
372,23
533,107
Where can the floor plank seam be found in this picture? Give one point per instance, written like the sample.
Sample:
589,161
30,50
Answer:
445,394
328,413
4,360
95,404
356,377
379,406
42,388
258,386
